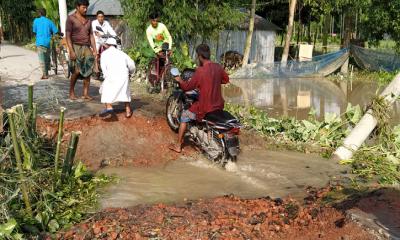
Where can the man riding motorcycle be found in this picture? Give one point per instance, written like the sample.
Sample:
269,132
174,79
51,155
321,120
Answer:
157,34
208,78
106,28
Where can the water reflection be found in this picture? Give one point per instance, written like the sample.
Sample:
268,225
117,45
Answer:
296,97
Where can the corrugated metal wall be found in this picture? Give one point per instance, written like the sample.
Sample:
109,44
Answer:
262,49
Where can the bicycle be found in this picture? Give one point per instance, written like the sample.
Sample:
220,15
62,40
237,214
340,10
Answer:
158,73
59,55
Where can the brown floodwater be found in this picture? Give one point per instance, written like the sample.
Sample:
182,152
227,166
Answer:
297,97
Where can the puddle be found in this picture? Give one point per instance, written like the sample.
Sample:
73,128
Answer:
257,174
296,97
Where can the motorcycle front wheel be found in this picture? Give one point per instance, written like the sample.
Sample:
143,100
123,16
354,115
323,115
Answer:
173,112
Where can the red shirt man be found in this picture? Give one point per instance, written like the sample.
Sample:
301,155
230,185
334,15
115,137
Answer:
207,79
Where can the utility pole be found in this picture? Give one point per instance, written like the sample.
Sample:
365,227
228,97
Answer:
62,8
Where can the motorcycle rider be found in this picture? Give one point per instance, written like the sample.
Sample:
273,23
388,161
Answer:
105,25
208,78
157,34
107,29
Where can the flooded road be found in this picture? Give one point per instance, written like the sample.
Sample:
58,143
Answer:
296,97
258,173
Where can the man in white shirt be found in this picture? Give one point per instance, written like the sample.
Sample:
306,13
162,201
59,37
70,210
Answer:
107,29
105,26
117,66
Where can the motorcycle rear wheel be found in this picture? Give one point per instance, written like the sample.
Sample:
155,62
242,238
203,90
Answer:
173,112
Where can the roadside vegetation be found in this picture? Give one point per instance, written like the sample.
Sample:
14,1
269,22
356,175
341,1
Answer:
378,161
381,78
41,191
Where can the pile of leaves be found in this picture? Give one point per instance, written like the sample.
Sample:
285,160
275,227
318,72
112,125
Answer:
379,161
53,201
302,135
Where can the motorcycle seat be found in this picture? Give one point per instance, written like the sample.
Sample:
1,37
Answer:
220,116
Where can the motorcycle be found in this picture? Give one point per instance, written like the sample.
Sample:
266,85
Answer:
102,48
216,134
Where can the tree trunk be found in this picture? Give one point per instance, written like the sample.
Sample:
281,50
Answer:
309,32
347,35
325,33
292,8
247,48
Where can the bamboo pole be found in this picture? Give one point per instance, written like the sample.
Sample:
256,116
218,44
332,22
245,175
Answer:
30,98
59,139
11,118
33,118
69,158
22,121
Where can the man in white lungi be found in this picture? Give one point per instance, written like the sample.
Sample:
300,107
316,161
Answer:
117,67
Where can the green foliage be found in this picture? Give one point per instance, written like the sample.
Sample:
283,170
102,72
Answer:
51,7
54,204
382,17
142,54
17,19
186,20
181,58
326,134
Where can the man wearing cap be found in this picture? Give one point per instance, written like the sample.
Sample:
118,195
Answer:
116,66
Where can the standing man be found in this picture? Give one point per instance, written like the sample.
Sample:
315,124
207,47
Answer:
82,48
44,28
117,66
208,79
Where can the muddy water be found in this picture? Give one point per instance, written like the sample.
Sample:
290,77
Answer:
296,97
258,173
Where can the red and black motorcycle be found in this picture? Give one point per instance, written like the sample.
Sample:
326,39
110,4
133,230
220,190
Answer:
217,134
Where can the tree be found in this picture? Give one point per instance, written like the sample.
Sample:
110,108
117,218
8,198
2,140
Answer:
292,8
186,19
17,19
383,19
249,34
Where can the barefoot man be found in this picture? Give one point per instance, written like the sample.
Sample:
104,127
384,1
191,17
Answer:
82,48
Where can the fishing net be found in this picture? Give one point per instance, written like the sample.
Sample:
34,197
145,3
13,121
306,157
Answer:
319,66
322,65
375,60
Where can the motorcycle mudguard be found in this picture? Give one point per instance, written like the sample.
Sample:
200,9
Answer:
232,144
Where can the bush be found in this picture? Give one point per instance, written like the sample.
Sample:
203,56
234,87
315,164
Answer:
142,54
